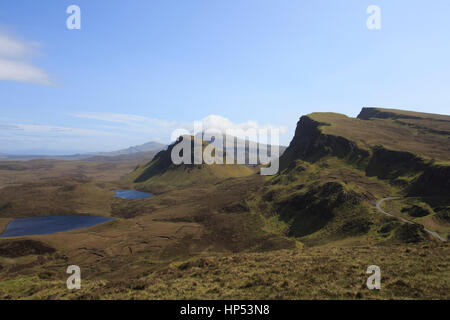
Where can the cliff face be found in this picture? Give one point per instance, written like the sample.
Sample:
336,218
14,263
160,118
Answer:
162,162
162,174
159,164
372,113
434,181
311,144
336,167
380,113
390,164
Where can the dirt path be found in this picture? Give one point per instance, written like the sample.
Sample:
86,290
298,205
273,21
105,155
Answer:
378,206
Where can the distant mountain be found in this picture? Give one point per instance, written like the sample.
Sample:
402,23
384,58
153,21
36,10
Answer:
161,174
146,147
140,156
142,152
26,157
252,149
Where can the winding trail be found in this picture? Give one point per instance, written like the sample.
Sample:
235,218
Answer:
378,206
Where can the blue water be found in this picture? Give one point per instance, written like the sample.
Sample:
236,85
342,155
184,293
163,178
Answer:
49,225
132,194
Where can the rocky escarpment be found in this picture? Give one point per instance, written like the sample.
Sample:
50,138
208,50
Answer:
163,173
425,122
336,167
379,113
159,164
162,161
411,233
372,113
310,144
434,181
390,164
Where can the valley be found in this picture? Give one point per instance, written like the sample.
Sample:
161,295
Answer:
226,232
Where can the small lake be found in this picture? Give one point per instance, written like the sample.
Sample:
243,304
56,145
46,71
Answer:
49,225
132,194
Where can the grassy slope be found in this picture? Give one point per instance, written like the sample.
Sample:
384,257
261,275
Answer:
161,174
300,202
59,196
53,187
388,133
19,172
185,176
432,221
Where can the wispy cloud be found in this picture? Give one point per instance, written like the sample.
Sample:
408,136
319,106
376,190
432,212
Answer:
7,127
130,120
15,61
163,129
223,124
46,129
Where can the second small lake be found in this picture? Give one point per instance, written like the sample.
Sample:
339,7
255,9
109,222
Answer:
132,194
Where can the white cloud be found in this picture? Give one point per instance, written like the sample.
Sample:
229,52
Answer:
13,48
223,124
162,129
15,62
23,72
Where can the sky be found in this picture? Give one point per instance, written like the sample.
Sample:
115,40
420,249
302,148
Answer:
138,69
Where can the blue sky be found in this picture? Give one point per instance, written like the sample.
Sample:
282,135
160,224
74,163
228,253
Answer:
138,69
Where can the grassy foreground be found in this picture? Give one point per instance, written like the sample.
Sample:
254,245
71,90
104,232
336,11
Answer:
330,272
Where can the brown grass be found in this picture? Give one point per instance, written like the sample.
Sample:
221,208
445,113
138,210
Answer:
387,132
407,272
35,170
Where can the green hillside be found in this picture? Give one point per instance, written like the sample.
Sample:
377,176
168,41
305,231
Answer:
336,168
161,174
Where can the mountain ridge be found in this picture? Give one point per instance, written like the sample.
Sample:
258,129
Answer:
336,167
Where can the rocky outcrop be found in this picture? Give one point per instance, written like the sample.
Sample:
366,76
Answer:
312,210
434,181
390,164
310,144
416,211
160,164
372,113
411,233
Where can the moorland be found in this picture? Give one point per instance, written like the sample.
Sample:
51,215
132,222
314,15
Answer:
226,232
